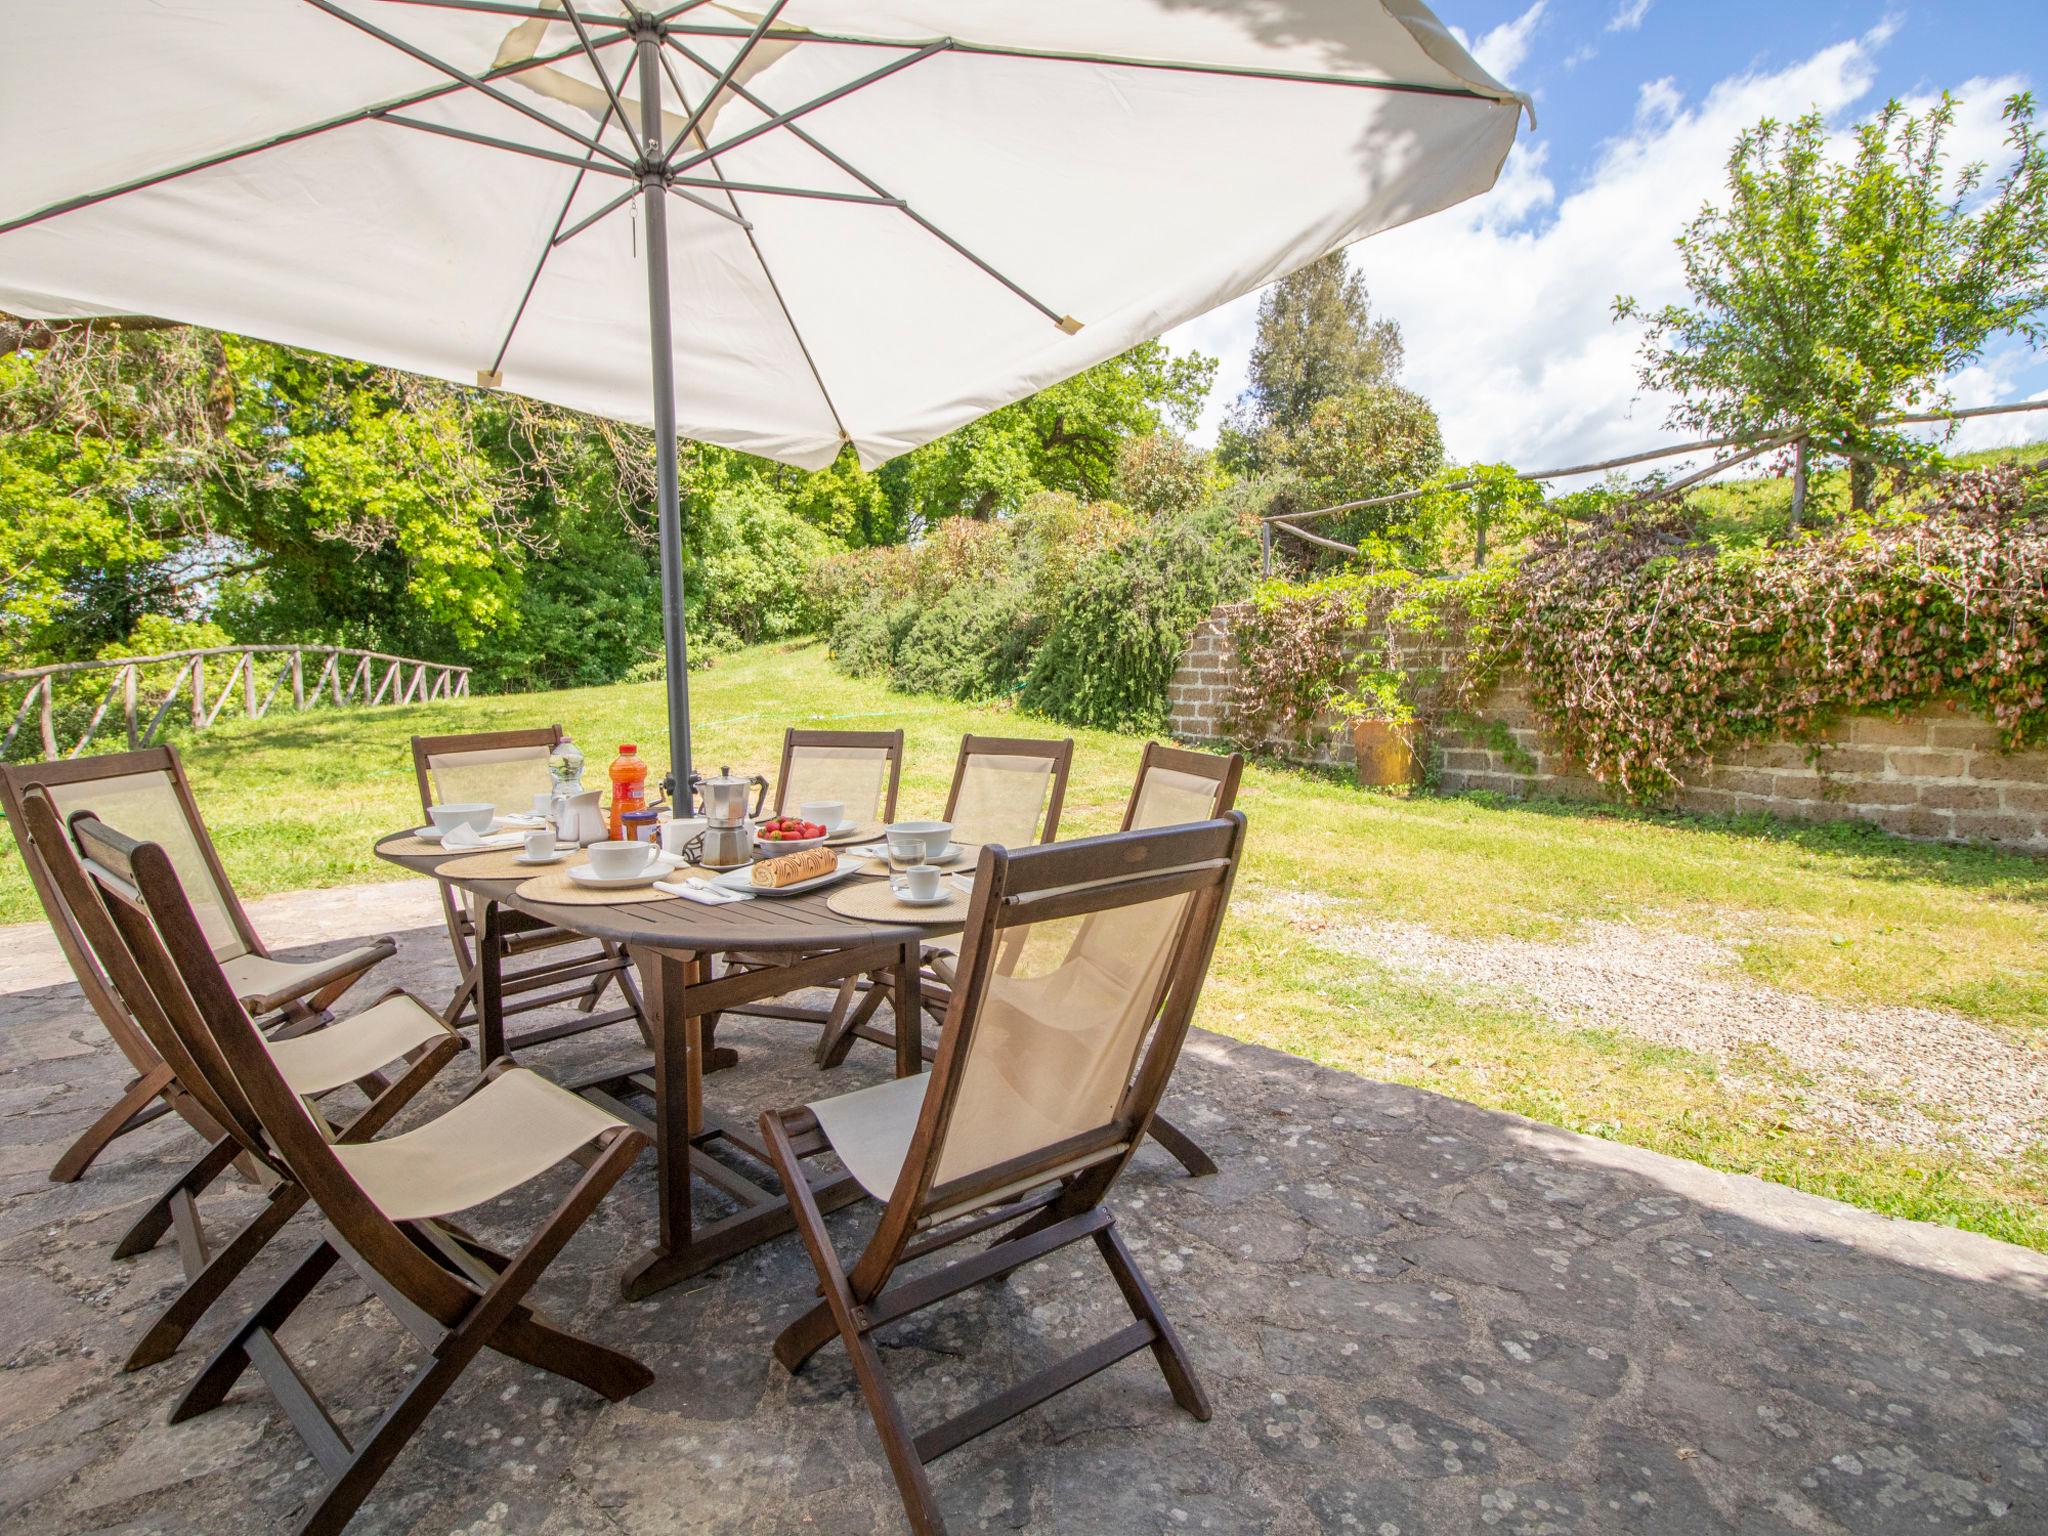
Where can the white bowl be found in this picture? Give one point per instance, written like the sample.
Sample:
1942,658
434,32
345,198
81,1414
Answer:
933,837
449,817
618,861
768,848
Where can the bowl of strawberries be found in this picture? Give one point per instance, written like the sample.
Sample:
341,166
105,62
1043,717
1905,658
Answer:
786,834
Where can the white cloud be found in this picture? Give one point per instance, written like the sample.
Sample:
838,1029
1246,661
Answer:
1505,302
1628,15
1500,51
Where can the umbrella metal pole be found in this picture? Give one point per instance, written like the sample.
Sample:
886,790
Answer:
668,491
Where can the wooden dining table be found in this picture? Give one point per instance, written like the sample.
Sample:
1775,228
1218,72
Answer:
678,946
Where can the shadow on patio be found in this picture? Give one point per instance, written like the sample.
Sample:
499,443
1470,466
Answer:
1412,1315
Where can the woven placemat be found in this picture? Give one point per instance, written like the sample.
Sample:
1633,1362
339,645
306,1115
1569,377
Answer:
409,844
502,864
557,887
866,832
878,904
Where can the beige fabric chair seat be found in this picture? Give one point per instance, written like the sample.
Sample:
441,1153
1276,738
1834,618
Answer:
516,1126
871,1130
262,983
356,1046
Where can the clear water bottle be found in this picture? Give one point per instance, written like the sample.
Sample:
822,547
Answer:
566,767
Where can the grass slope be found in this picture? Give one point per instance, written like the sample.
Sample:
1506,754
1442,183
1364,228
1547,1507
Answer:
1838,912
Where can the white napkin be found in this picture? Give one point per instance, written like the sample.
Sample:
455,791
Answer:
524,819
465,836
702,891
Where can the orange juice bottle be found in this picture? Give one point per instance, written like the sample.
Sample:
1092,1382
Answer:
629,787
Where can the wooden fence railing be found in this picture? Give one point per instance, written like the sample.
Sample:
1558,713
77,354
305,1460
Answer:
372,678
1746,449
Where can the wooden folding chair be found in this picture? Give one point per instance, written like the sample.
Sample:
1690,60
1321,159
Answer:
863,771
384,1203
506,769
148,791
1079,972
397,1028
1006,791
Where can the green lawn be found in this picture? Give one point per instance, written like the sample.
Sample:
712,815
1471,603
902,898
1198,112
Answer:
1836,912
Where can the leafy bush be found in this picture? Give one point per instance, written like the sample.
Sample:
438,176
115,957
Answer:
970,644
754,579
1125,615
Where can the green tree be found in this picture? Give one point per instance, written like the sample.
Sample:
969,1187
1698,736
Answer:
1372,442
1317,339
1828,293
1064,438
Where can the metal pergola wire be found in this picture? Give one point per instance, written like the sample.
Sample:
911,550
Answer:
657,171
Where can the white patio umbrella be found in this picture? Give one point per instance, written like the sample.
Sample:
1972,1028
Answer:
819,223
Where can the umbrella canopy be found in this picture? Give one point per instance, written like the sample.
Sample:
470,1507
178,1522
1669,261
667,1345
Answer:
807,223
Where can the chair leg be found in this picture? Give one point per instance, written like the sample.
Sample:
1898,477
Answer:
155,1221
1177,1141
123,1117
833,1049
898,1443
211,1278
373,1457
1173,1360
836,1020
531,1339
213,1383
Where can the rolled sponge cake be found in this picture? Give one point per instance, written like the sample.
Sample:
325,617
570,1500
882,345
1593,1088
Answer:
789,868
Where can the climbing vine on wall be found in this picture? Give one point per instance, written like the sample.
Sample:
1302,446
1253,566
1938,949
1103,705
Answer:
1647,648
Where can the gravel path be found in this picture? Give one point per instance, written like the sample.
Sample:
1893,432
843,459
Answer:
1957,1082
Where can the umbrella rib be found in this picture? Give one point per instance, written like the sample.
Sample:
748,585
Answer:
724,78
474,82
586,162
275,141
555,238
783,119
876,187
767,272
564,236
604,79
534,12
1119,61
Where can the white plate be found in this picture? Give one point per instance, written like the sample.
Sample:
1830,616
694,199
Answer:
553,858
428,834
742,879
658,869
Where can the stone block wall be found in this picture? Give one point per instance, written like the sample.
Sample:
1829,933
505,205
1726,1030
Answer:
1933,773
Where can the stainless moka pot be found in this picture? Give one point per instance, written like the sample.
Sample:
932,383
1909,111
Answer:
728,837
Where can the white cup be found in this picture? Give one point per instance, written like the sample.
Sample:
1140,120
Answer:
829,814
678,832
544,804
540,844
920,882
615,861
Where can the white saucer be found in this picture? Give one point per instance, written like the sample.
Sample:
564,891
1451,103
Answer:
659,869
553,858
954,853
942,897
428,834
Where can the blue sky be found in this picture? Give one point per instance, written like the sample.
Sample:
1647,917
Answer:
1505,301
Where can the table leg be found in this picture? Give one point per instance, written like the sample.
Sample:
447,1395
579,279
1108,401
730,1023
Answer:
678,1087
490,1001
909,1005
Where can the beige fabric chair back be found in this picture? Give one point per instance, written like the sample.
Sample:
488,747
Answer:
1176,786
1001,798
857,768
1059,1032
147,805
505,777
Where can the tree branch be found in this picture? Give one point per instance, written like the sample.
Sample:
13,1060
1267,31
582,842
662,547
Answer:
19,335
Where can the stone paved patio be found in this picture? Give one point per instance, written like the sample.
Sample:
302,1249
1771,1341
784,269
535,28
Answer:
1412,1315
